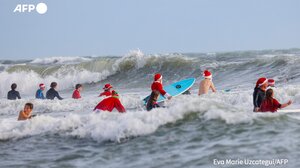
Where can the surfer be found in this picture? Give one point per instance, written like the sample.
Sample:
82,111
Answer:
76,93
13,94
39,93
107,90
110,103
157,89
259,93
52,93
206,83
270,104
26,113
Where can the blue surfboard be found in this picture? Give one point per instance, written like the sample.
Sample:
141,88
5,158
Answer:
175,89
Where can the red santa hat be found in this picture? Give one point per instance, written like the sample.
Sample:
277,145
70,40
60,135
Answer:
42,85
107,86
261,81
271,82
157,77
207,74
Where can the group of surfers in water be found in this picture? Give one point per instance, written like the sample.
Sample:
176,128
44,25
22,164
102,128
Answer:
263,96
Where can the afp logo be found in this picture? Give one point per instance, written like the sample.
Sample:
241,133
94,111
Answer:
40,8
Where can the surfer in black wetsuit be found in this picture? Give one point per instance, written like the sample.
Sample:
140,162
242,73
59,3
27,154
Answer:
259,93
52,93
13,94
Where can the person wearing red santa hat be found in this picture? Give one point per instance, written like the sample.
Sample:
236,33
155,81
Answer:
107,90
271,82
259,93
110,103
39,93
206,83
157,89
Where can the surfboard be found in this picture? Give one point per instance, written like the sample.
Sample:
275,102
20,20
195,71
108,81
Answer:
289,111
175,89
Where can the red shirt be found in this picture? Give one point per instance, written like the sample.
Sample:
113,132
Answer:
76,94
105,93
158,87
109,104
270,106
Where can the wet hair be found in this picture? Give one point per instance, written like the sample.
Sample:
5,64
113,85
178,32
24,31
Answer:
13,86
53,84
269,94
114,93
78,86
30,105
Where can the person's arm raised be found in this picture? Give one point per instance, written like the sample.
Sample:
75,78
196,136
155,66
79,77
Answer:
286,104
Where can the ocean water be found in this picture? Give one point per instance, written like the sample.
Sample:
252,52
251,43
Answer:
192,131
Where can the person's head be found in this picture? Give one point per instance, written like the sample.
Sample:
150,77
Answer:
28,107
53,85
13,86
158,78
207,74
107,87
271,82
78,87
262,83
115,94
42,86
269,94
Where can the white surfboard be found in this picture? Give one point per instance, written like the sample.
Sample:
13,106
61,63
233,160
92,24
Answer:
289,111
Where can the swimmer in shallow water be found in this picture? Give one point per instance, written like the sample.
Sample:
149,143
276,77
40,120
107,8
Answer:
25,114
13,94
270,104
206,83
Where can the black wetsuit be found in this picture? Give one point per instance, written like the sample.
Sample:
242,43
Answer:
52,93
13,95
258,96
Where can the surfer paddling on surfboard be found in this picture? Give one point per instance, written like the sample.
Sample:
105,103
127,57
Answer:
206,83
270,104
157,89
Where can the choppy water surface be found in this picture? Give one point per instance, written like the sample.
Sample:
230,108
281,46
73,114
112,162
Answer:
191,132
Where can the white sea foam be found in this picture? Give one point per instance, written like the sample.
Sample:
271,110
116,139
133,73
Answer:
75,118
60,60
66,76
28,81
79,121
